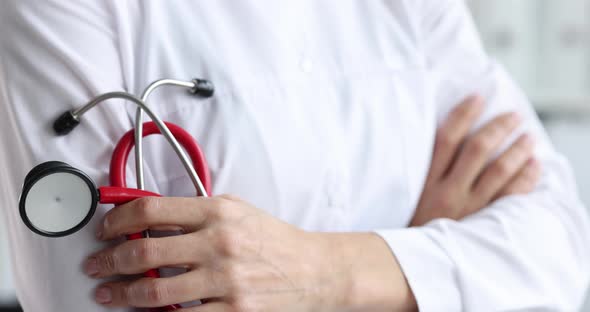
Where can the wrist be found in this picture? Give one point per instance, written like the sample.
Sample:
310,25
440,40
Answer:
358,272
332,278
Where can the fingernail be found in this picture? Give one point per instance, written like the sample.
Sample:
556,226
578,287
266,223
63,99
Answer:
99,234
91,267
104,295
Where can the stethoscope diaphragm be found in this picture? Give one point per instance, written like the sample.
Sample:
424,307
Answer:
57,199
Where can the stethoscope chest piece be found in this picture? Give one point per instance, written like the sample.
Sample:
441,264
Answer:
57,199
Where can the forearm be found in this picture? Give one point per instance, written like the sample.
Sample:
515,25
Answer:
362,274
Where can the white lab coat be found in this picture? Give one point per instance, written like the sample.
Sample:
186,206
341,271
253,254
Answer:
324,116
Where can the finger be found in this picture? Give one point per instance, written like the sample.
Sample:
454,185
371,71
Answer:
158,292
500,172
480,147
209,307
138,256
452,133
525,182
156,212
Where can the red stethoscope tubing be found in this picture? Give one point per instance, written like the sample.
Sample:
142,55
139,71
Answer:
118,193
127,142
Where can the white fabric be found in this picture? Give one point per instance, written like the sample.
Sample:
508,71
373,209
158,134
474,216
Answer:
324,116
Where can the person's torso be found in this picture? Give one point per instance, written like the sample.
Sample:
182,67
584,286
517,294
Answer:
322,116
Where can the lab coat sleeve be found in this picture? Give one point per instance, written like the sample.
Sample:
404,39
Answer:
521,253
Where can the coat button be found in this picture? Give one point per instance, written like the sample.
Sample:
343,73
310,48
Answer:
336,195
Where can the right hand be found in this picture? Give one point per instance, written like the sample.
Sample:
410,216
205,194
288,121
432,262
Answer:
460,181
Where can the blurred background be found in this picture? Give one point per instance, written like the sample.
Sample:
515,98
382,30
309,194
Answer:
545,44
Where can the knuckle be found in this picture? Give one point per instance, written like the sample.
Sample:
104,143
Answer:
223,201
234,281
483,191
446,202
219,208
463,110
446,137
215,279
230,197
503,121
147,251
502,169
226,242
521,152
157,291
210,235
242,304
511,190
481,145
523,148
146,207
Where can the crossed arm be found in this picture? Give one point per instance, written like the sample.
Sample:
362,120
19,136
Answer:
241,259
536,243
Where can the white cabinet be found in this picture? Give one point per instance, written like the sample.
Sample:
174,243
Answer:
545,44
508,31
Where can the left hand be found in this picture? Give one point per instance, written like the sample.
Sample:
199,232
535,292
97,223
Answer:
460,181
238,259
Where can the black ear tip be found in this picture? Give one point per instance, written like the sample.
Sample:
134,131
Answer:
65,123
203,87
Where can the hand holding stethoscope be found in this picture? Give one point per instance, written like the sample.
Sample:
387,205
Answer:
222,241
58,199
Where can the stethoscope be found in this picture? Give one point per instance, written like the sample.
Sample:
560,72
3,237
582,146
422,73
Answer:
58,199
